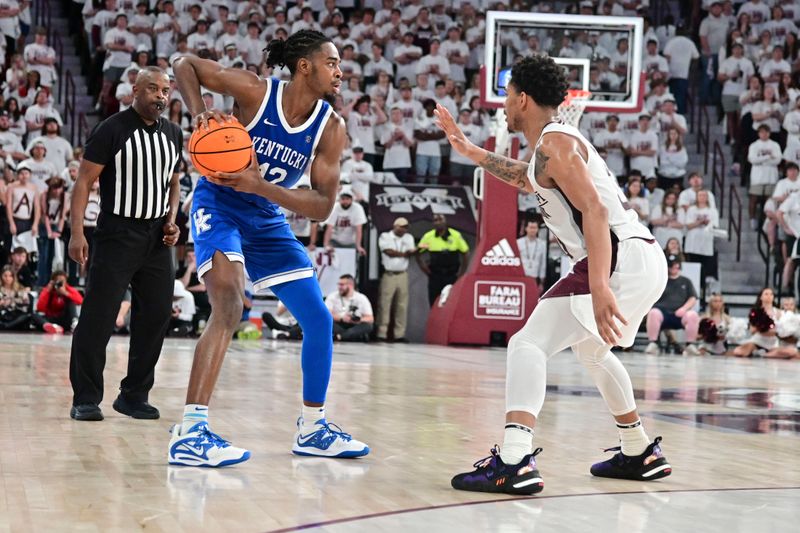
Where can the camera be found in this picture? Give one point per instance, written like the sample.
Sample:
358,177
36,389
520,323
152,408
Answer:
59,284
353,311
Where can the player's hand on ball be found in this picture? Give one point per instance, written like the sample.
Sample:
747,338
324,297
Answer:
201,120
248,180
457,139
605,313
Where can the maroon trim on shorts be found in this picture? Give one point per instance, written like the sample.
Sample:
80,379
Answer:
577,281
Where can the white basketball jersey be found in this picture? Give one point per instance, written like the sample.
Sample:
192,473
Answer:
565,221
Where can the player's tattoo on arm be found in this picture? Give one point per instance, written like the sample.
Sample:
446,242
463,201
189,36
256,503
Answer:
540,165
509,170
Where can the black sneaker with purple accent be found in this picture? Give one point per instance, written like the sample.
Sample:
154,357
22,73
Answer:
646,467
493,475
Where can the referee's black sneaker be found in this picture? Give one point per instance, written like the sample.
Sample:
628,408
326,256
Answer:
140,410
646,467
86,412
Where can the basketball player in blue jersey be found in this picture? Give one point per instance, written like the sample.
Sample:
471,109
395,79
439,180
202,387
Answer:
237,224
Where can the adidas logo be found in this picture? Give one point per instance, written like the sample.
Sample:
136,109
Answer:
501,254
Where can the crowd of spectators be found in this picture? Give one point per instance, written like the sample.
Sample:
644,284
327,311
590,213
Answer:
398,60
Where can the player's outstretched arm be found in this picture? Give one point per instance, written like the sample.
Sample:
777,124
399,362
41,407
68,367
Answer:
509,170
193,72
560,160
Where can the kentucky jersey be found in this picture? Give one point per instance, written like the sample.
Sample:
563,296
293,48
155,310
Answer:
565,221
247,227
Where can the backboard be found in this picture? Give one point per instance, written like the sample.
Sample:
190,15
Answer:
600,54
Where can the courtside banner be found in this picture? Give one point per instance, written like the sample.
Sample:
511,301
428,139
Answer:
420,203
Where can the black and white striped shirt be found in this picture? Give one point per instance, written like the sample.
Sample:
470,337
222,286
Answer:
139,162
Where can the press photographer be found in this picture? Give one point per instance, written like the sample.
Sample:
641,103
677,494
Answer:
352,312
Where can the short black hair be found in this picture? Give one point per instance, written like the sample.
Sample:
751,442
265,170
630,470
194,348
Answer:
541,78
299,45
348,277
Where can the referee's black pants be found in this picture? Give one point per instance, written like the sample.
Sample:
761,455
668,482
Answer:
125,252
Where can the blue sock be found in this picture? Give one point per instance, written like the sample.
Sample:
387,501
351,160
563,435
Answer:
303,299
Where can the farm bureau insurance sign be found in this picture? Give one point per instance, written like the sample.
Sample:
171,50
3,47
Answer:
504,300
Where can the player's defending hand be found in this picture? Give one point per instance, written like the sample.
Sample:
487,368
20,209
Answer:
457,139
605,311
201,120
248,180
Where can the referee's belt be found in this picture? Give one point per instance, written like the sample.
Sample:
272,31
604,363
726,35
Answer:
394,272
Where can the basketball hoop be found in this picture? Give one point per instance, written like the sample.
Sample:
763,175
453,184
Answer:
571,109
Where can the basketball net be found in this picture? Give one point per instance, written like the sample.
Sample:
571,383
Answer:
571,109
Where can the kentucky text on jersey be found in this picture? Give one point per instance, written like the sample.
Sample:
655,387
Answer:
279,152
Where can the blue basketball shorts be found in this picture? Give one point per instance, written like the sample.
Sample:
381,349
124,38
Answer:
225,221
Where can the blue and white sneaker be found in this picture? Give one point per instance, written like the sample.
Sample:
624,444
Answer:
201,447
326,440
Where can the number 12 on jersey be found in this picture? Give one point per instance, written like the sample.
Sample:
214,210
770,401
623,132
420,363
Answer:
277,172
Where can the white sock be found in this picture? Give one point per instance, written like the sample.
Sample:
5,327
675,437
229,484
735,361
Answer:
633,438
193,414
312,415
517,443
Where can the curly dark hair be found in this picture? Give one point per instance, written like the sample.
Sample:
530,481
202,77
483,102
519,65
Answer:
541,78
299,45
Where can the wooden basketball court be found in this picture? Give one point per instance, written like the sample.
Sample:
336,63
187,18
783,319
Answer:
730,430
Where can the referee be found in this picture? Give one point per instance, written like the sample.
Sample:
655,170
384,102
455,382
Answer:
135,154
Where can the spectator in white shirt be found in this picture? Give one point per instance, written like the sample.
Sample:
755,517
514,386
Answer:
345,225
434,64
653,62
119,44
788,216
359,174
457,53
361,122
700,220
429,151
462,168
734,73
397,139
40,168
377,63
124,91
783,189
306,21
533,252
613,141
764,155
773,68
672,160
688,196
779,26
40,110
667,118
229,37
407,55
352,312
166,28
41,57
791,123
423,89
365,31
768,112
58,149
141,25
664,220
642,147
252,47
653,193
680,51
757,10
635,194
349,66
396,247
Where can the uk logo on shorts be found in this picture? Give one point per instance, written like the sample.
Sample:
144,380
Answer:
501,254
201,221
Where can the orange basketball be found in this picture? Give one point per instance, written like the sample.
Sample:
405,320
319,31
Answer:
222,147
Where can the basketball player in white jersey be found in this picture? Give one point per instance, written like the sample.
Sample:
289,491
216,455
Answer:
618,273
